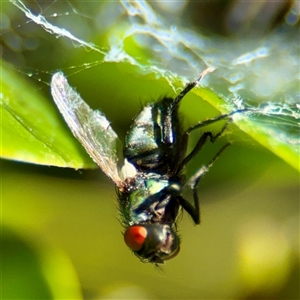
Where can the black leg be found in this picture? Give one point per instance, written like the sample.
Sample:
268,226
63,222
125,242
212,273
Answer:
180,160
200,144
194,211
188,87
217,119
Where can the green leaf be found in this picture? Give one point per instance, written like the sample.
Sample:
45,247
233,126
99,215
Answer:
32,129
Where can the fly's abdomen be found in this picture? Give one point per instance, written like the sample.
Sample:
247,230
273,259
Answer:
150,141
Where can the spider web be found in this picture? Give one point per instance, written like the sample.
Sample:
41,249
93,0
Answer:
258,74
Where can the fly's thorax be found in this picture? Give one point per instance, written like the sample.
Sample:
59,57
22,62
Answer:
153,243
151,140
153,199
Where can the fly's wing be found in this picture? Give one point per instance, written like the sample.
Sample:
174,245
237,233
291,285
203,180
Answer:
89,126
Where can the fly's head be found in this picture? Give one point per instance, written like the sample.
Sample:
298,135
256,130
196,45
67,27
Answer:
152,243
150,212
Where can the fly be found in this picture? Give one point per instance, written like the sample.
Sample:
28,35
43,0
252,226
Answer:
150,184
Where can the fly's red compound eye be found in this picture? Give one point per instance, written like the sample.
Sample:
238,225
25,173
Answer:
135,237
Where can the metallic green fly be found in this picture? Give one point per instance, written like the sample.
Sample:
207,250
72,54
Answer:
151,182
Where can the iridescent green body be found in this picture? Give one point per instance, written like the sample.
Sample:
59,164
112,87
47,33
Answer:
151,145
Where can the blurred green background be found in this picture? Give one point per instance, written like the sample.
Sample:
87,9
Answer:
61,238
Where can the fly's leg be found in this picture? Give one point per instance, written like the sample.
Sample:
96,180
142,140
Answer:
188,87
194,211
200,144
180,160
